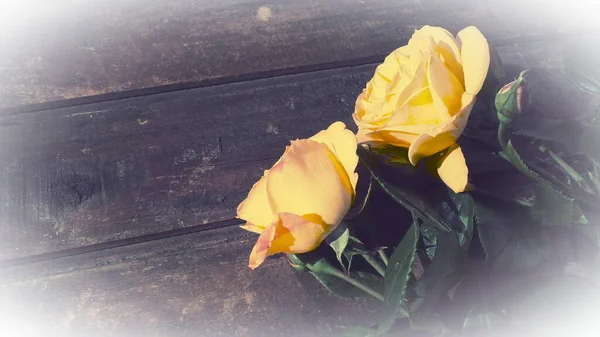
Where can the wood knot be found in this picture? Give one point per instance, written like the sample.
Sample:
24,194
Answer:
69,191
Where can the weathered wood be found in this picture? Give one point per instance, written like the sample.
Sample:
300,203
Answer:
69,49
106,171
101,172
195,285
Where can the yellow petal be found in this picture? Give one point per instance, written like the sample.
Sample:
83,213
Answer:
255,209
342,142
475,53
289,233
310,179
442,137
418,112
408,87
446,89
388,69
253,228
444,39
395,138
381,138
452,169
447,48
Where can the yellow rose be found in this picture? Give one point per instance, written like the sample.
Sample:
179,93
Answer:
304,196
421,96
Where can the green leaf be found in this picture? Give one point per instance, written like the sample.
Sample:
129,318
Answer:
462,216
396,279
512,240
407,198
429,236
513,156
443,274
358,332
357,209
339,243
414,204
564,131
392,154
576,136
552,207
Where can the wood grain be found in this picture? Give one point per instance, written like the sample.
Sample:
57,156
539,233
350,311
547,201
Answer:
195,285
96,173
69,49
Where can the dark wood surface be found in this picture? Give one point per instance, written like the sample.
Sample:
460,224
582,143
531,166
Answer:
197,285
70,49
100,172
116,184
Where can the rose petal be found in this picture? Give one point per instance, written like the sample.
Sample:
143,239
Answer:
255,209
289,233
342,142
446,89
443,38
442,137
448,49
253,228
386,137
452,169
416,116
310,179
475,53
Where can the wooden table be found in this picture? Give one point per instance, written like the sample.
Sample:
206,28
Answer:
131,129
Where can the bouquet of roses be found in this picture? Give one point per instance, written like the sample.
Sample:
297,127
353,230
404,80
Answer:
459,203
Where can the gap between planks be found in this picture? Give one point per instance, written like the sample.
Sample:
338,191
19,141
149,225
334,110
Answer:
114,96
119,243
212,225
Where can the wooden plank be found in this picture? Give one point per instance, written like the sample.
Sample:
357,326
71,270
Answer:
70,49
101,172
195,285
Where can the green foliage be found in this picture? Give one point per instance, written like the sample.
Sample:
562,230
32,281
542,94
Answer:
409,198
512,240
552,207
338,241
392,154
396,279
337,282
442,275
460,214
341,288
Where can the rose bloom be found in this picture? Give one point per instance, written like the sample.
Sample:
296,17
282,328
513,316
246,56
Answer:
304,196
421,96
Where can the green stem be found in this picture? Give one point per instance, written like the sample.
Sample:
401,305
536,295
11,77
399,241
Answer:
503,135
361,286
383,256
374,263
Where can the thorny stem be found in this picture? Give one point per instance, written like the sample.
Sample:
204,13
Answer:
383,256
374,263
361,286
